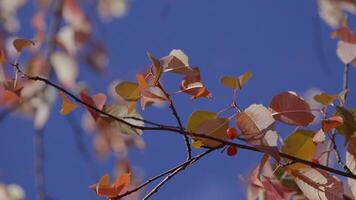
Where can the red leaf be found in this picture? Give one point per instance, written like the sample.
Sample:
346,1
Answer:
88,100
332,122
291,109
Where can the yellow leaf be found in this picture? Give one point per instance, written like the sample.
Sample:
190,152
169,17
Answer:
215,128
299,144
325,99
67,105
130,91
20,43
197,144
142,83
197,117
234,82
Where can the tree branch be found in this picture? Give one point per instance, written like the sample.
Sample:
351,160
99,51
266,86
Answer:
168,172
176,116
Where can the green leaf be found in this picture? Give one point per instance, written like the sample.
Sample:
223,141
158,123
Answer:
348,129
234,82
130,91
299,144
197,117
157,66
324,98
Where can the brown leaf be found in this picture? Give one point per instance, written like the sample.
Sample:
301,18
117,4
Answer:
21,43
291,109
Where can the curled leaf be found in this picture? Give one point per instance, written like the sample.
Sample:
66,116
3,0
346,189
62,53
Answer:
21,43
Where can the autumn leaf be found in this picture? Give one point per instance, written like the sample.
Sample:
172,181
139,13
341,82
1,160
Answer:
105,189
128,90
331,123
121,111
67,105
89,100
192,85
197,117
291,109
299,144
257,126
176,62
318,184
236,83
21,43
158,69
325,98
212,127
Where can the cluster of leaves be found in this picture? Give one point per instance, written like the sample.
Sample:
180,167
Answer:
118,125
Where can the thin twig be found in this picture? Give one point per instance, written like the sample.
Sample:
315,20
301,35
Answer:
185,163
176,116
175,172
337,154
345,83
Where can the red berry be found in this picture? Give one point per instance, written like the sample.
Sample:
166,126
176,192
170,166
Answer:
231,133
231,151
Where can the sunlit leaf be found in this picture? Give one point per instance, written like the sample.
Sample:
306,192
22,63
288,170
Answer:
319,136
105,189
325,99
21,43
215,128
299,144
331,122
128,90
346,52
158,69
257,126
176,62
291,109
197,117
67,105
318,184
234,82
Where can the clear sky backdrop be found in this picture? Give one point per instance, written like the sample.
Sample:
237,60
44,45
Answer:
283,43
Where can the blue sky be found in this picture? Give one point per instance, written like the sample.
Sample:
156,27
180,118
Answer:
283,43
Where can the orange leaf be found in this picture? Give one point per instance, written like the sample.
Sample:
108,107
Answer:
67,105
332,122
105,189
123,180
20,43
